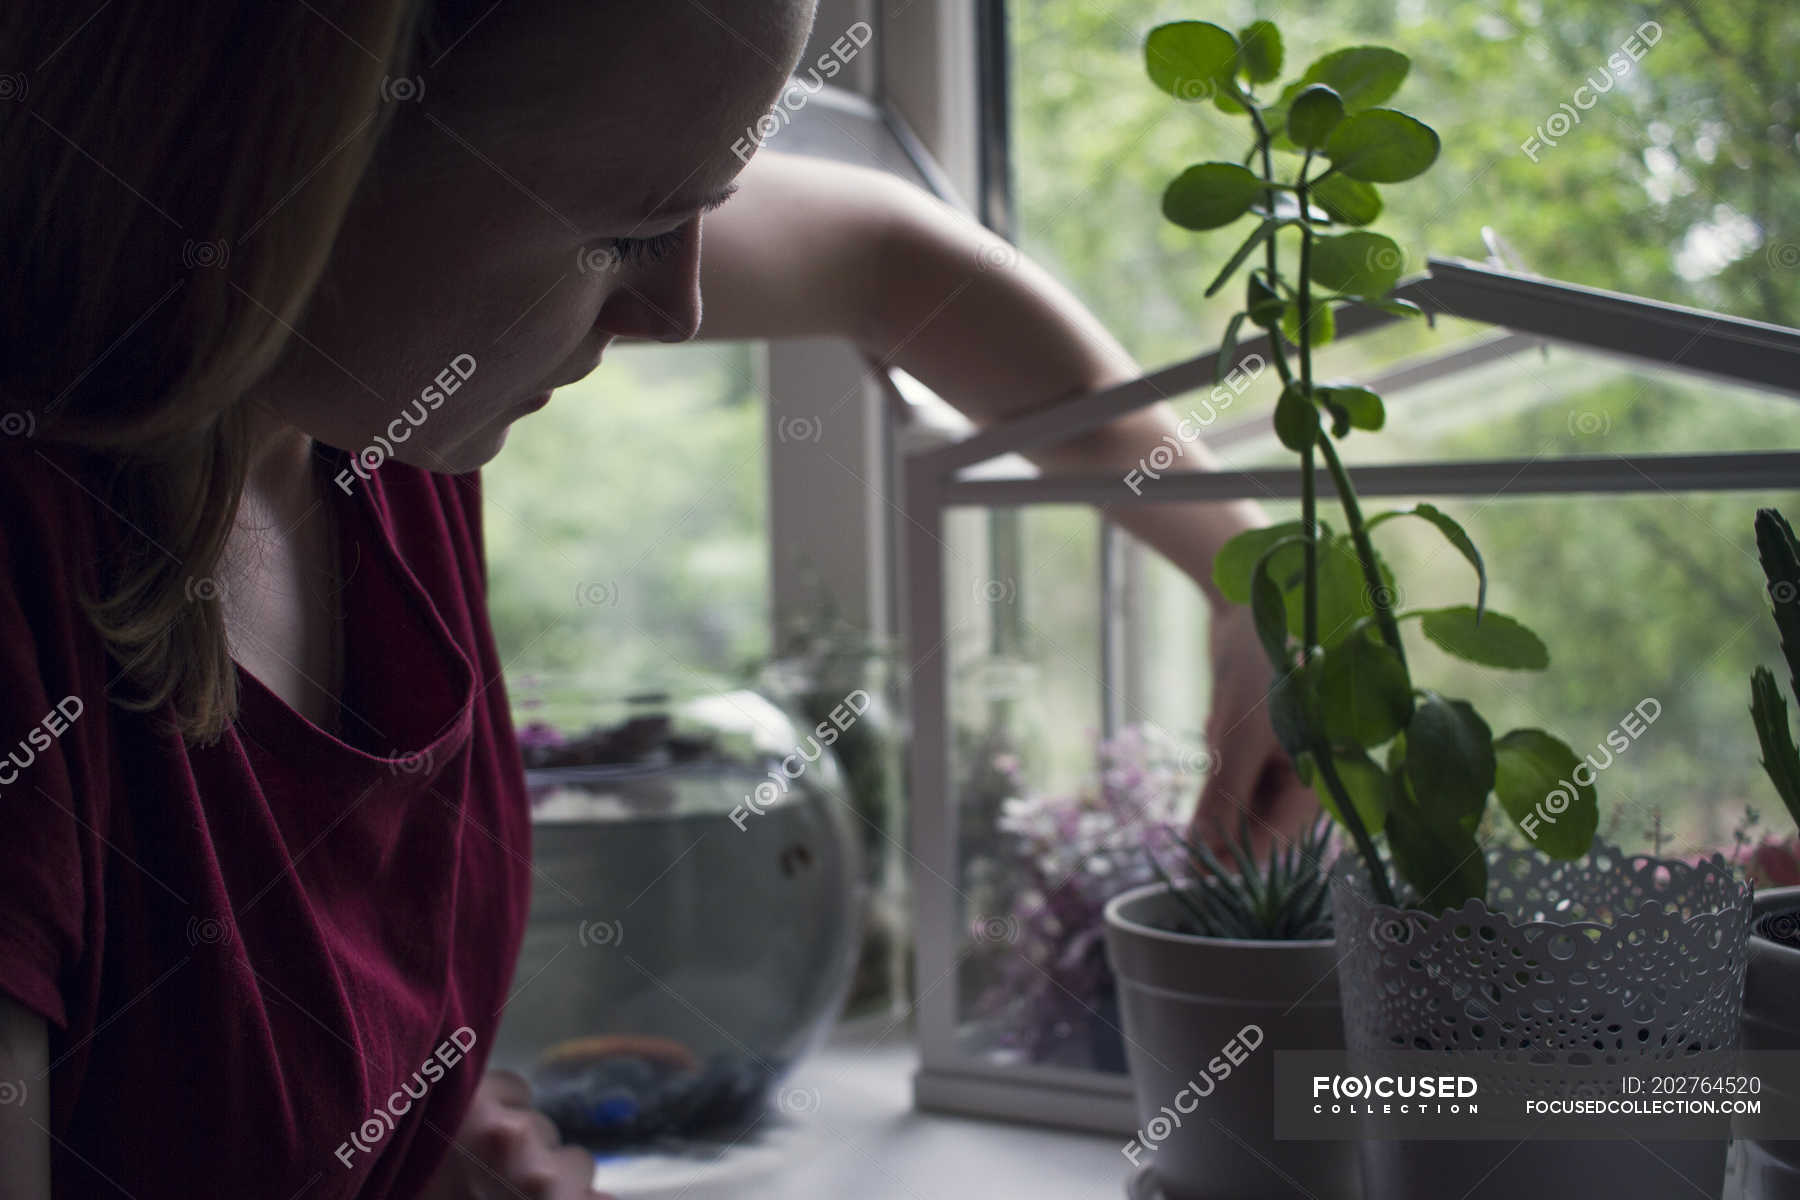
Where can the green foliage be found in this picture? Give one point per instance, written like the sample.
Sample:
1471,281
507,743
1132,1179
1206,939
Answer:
1315,113
1382,146
1490,639
1287,899
1325,607
1534,775
1208,195
1779,552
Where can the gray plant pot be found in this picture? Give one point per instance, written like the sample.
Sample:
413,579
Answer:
1188,1004
1613,942
1772,1022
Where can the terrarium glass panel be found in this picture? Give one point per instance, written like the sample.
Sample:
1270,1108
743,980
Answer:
1651,606
1551,402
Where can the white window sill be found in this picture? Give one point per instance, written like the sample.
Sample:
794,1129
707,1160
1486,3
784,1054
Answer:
849,1129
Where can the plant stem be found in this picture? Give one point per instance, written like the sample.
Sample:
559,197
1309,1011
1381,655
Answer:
1269,254
1359,833
1309,517
1352,819
1365,550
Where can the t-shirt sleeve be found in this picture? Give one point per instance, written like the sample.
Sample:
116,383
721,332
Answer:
47,802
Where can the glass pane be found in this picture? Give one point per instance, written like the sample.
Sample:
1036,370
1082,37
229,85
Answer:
1022,594
619,517
1642,597
1654,612
1165,667
1548,403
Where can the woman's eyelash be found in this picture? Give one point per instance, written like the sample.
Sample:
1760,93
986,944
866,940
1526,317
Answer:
653,249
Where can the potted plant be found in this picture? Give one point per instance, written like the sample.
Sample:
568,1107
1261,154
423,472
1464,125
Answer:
1213,973
1772,979
1392,760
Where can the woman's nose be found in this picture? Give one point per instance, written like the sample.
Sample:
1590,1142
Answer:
658,300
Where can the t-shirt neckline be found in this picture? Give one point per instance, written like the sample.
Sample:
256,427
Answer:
391,632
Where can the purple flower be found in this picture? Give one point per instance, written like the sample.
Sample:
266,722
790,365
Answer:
539,734
1067,854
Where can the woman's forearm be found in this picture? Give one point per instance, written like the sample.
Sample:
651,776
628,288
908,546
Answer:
819,248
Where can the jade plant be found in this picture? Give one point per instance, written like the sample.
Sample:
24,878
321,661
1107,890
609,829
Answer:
1780,555
1388,758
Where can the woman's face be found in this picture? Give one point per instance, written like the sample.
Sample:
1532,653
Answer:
539,195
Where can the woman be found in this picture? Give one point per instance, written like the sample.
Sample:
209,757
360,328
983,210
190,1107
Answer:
265,862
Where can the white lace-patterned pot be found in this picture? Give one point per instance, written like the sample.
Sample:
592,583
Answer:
1203,1018
1614,958
1772,1022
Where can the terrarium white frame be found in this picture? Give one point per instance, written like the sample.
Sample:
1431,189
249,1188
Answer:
1647,332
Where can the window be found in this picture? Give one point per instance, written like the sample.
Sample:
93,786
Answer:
1673,186
620,514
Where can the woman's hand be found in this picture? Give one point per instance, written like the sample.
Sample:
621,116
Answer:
507,1149
1251,778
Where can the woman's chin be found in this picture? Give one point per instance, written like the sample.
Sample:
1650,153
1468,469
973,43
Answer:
471,454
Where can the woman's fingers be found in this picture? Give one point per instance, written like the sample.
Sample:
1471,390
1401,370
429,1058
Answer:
508,1087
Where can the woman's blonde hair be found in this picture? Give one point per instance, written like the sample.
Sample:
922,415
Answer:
175,178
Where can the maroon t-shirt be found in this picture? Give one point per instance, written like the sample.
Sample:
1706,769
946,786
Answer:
274,965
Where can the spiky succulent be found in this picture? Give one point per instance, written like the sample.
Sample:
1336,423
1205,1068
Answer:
1287,899
1780,554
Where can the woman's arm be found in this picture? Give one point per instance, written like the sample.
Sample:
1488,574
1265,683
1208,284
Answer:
816,248
811,247
24,1104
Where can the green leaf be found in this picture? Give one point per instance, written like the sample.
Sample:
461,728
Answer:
1228,347
1322,328
1236,559
1288,710
1400,308
1435,853
1454,534
1780,761
1362,408
1366,782
1778,550
1491,639
1256,238
1190,60
1312,116
1345,200
1343,594
1535,781
1343,599
1449,756
1362,76
1358,262
1382,146
1365,697
1296,420
1370,792
1262,302
1260,52
1208,195
1269,611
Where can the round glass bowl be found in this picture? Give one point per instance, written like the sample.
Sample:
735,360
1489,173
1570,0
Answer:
696,907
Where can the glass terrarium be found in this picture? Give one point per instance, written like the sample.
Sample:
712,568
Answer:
696,907
1532,410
